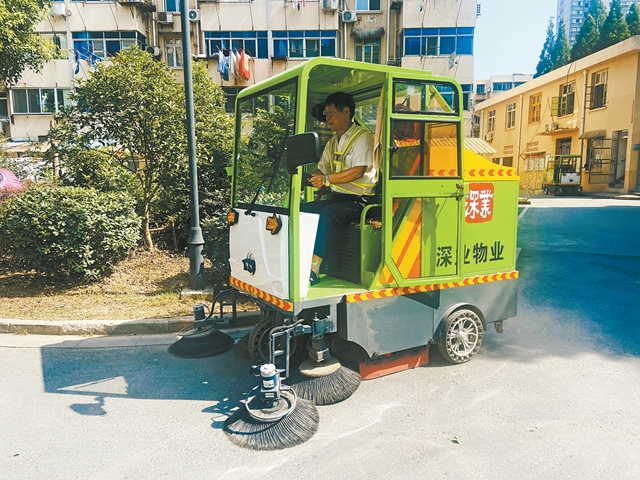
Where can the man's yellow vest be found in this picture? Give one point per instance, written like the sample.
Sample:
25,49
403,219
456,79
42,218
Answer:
339,164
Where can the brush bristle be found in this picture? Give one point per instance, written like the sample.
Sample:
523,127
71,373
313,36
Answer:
242,347
296,428
197,346
327,390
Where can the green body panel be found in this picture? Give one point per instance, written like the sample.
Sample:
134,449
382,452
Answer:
490,245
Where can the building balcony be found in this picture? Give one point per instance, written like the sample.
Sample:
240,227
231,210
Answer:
143,5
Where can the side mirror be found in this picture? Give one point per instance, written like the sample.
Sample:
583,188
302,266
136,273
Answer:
302,149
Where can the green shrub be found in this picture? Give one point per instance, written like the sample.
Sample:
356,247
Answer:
68,231
215,232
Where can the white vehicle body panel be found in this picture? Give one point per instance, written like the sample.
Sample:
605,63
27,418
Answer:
249,238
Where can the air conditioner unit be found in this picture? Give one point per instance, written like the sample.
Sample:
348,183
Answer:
165,17
194,15
349,16
330,4
488,137
551,127
155,51
58,10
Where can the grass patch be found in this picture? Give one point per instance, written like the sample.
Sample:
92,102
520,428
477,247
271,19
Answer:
145,285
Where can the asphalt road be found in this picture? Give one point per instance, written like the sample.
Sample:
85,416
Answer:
557,395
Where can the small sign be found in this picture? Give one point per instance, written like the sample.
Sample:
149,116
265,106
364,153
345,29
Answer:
479,203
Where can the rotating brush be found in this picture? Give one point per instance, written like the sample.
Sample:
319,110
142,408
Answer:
272,417
201,339
326,382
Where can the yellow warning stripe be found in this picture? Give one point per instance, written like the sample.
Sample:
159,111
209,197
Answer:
405,251
395,292
256,292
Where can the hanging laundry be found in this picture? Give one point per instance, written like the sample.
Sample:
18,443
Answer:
233,67
237,66
243,65
223,66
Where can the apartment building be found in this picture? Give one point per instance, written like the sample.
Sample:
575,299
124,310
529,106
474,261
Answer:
497,84
573,13
435,35
587,108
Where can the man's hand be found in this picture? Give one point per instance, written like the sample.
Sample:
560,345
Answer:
317,180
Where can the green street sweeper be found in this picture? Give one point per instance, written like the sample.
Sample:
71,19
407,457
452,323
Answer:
429,261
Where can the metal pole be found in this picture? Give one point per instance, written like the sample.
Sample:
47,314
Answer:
196,241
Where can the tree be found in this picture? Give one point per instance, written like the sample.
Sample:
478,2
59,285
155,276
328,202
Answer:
560,53
126,130
20,47
614,28
633,20
545,64
598,11
214,135
130,114
586,40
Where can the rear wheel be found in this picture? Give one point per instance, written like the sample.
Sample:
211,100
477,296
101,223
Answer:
259,340
461,336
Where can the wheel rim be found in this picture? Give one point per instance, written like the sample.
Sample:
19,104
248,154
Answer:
259,342
462,337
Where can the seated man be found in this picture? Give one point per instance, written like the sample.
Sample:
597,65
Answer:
347,167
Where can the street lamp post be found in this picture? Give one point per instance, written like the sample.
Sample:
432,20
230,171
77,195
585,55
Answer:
196,241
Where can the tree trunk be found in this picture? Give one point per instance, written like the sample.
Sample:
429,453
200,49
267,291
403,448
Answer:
146,232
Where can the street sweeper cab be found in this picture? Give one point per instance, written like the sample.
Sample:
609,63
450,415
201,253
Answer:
562,175
431,261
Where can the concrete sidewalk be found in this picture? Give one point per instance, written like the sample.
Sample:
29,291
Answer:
144,326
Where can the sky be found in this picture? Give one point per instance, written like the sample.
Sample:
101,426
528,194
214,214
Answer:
509,36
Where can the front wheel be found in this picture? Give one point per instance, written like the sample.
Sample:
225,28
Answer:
461,336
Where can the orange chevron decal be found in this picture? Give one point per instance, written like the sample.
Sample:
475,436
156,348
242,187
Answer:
396,292
443,173
492,172
256,292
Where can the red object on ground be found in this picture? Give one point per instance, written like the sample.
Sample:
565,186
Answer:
394,362
9,181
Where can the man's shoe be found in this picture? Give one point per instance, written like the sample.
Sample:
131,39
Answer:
313,278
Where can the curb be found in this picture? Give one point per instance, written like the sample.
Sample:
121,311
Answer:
146,326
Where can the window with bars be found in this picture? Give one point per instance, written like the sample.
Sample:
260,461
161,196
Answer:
535,107
254,43
598,94
438,41
599,160
99,45
39,100
511,115
304,43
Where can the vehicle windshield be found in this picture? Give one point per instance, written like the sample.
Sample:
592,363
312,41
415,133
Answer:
264,121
